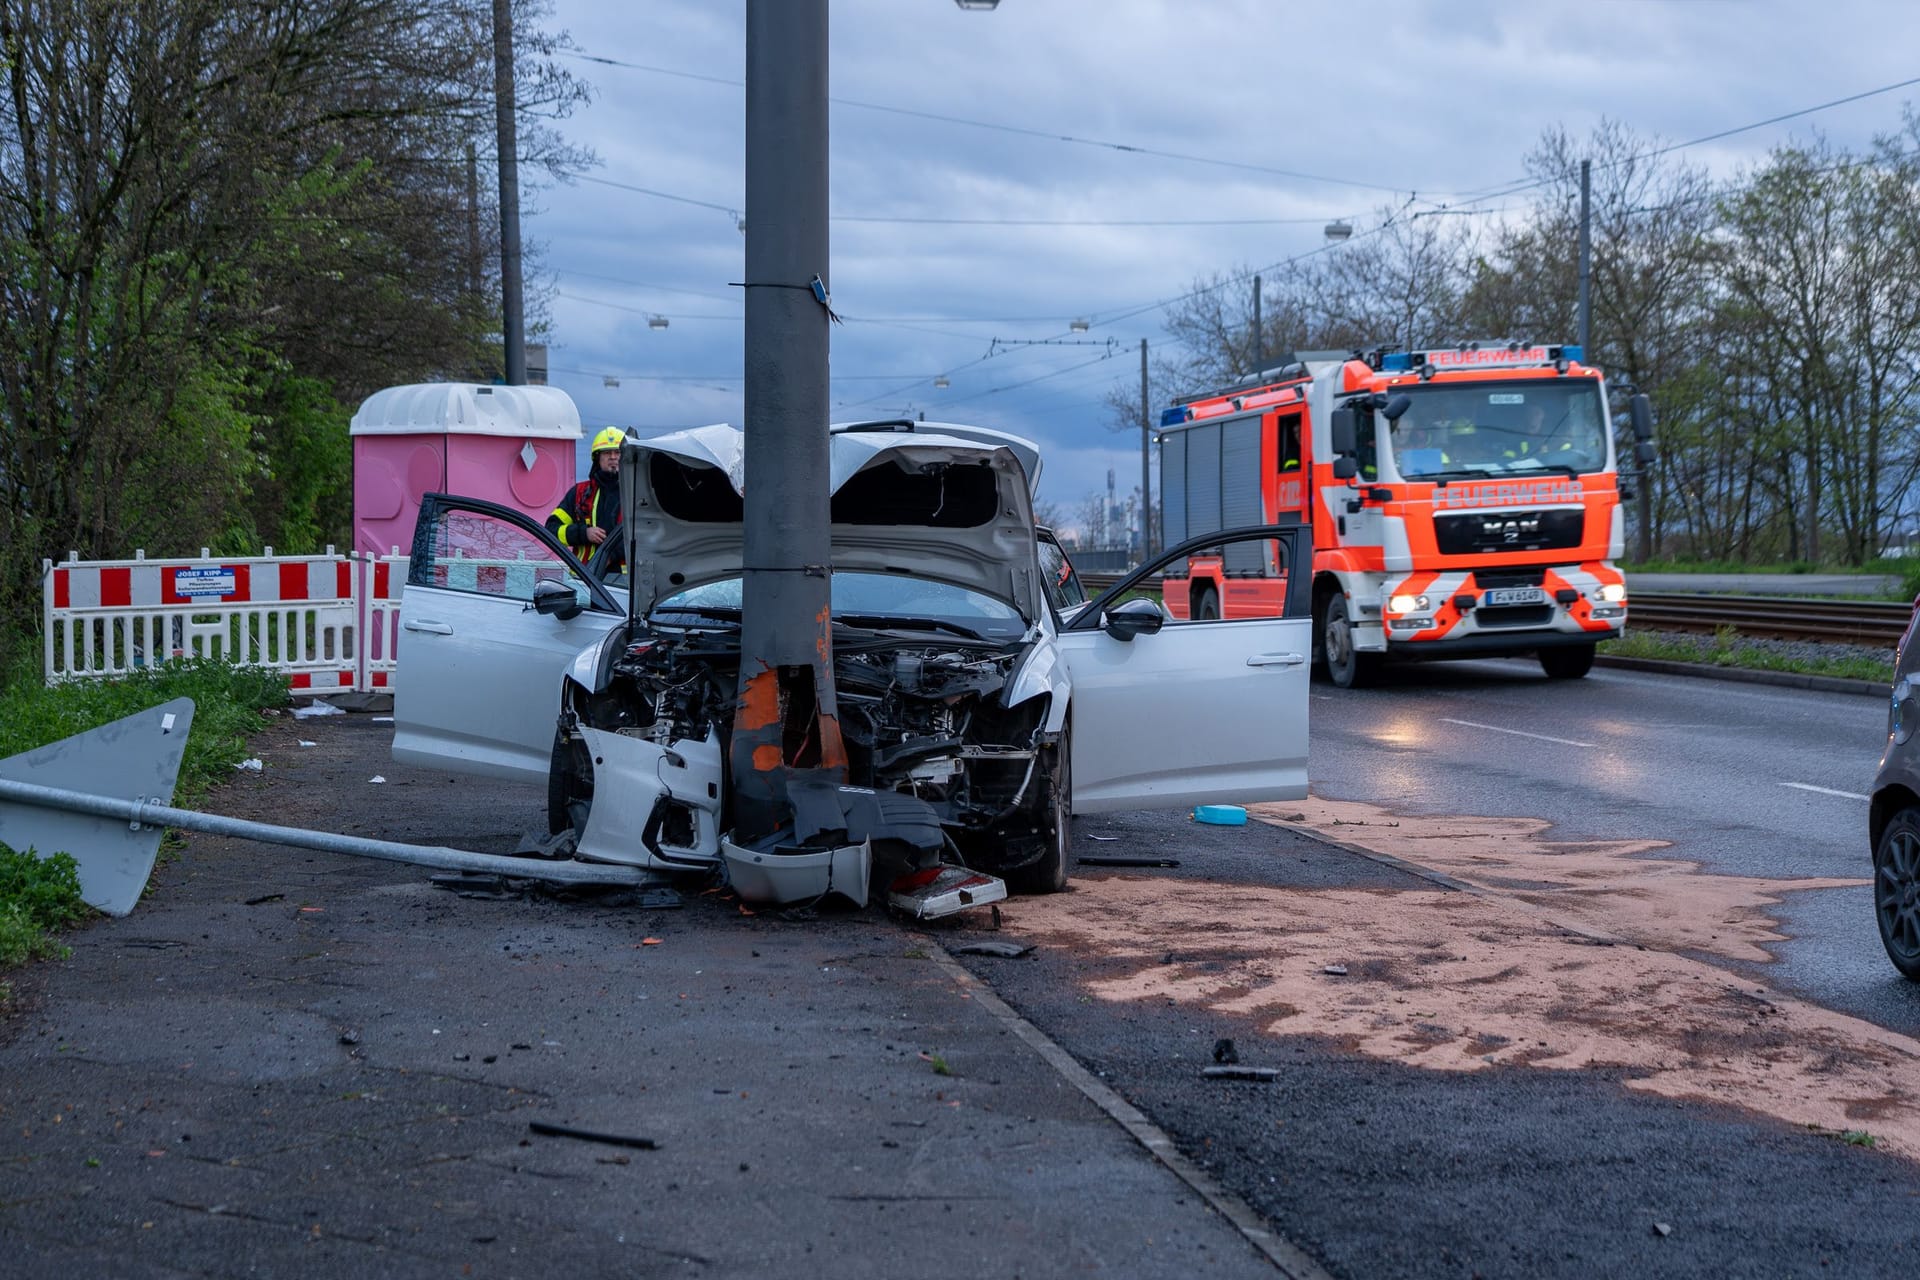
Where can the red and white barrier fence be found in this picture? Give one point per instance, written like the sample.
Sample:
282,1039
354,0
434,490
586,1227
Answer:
329,622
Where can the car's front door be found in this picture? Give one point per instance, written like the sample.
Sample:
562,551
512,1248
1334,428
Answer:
1197,712
477,680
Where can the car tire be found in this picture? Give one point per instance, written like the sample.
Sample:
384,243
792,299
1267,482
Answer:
1206,606
1346,667
1896,891
1567,664
565,782
1048,873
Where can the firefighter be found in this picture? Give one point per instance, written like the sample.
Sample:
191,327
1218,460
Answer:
591,509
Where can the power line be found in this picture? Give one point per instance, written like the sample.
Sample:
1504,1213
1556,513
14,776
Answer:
995,126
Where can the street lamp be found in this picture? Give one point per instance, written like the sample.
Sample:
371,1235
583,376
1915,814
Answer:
1080,324
941,382
980,5
1339,229
657,322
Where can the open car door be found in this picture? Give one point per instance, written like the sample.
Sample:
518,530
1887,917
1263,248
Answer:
1168,714
477,684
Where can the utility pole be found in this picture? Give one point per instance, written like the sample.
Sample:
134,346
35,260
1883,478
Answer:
786,723
1259,338
513,325
1586,257
473,222
1146,461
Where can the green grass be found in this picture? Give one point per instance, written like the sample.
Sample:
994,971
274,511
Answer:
1726,649
40,891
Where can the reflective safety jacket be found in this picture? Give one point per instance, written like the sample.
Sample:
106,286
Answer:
593,503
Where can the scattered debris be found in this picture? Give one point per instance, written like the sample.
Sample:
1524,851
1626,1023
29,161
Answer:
349,1038
1125,860
995,916
305,743
1337,970
1005,950
649,942
1264,1075
1220,815
474,885
1223,1051
1662,1229
316,708
942,891
253,764
939,1064
1103,837
589,1135
376,778
383,719
265,897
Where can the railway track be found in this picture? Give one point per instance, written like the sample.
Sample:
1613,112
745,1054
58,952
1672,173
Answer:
1866,622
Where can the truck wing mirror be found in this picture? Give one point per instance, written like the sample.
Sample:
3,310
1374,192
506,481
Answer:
1345,468
1643,453
1397,406
1344,429
1642,410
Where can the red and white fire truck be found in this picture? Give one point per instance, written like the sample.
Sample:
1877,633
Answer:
1463,500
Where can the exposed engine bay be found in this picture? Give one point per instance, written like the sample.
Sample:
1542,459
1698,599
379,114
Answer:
920,714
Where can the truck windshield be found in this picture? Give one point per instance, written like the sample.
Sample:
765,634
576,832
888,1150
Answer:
1498,428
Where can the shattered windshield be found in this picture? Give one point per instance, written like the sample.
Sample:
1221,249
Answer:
869,600
1500,428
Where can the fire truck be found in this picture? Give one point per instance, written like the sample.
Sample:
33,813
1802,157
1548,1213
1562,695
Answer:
1464,502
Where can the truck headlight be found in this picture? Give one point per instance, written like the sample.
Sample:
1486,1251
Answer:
1613,592
1407,604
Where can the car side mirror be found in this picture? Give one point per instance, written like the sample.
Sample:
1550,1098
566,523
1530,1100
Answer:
556,599
1133,618
1345,468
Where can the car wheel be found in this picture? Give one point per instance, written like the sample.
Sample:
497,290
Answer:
1206,608
1048,873
569,778
1567,664
1346,668
1896,891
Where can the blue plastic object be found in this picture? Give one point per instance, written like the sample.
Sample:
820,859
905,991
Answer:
1220,815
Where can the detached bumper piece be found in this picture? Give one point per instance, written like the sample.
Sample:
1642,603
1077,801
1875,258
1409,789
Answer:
786,874
943,891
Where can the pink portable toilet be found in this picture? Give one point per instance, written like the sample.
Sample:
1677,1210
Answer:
510,445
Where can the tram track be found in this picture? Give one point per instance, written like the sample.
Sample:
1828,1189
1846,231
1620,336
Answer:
1821,621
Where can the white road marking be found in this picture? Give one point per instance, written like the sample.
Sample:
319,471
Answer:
1518,733
1826,791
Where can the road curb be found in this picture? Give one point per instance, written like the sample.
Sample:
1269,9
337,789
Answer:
1746,675
1291,1260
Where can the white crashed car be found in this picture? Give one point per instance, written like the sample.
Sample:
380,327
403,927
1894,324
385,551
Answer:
971,675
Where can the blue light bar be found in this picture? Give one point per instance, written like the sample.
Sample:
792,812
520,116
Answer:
1396,362
1175,416
1574,352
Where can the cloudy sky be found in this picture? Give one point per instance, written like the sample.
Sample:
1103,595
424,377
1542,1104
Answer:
1263,119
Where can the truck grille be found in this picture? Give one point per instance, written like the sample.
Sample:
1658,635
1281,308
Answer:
1466,533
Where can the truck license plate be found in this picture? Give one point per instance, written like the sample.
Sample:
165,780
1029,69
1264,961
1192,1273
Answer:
1515,595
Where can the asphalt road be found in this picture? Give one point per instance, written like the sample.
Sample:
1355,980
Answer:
1497,1048
1748,780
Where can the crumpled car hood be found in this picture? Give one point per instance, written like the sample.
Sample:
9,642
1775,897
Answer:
685,529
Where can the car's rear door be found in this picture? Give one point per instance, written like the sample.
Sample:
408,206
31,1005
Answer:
1201,712
477,680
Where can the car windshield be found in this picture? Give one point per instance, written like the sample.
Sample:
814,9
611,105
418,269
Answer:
1500,428
869,600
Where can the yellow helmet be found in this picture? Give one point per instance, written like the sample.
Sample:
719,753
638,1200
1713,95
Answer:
610,438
